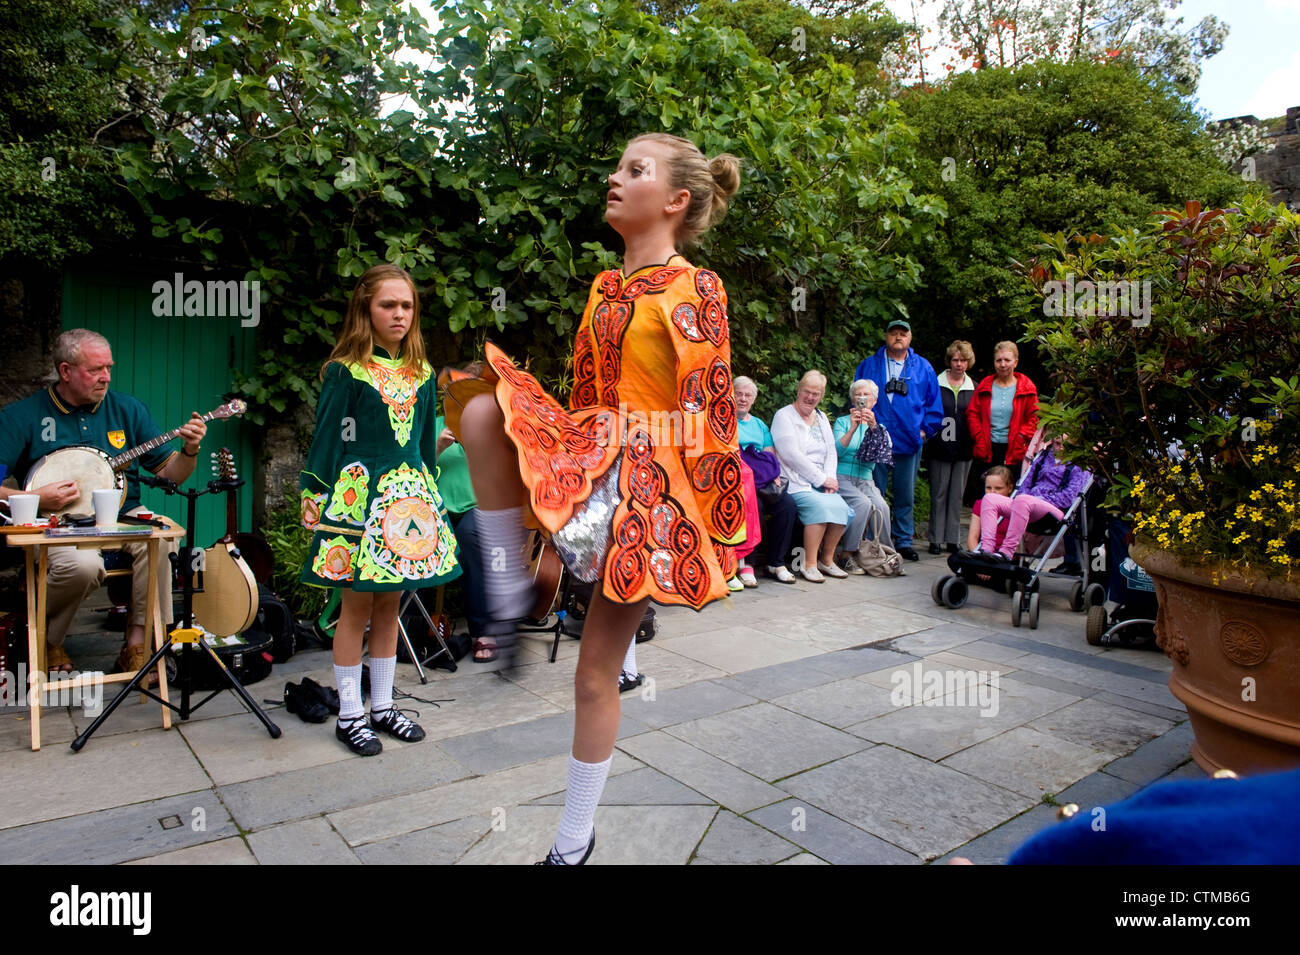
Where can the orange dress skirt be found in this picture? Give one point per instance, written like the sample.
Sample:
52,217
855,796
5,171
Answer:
639,482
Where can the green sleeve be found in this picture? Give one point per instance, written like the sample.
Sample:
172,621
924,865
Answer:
327,446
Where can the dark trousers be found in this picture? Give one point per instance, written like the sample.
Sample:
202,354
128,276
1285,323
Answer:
778,526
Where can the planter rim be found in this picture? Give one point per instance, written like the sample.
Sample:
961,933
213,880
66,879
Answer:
1163,564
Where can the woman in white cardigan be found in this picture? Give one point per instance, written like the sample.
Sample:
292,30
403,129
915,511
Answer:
805,444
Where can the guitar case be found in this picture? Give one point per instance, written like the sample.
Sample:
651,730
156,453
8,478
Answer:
249,661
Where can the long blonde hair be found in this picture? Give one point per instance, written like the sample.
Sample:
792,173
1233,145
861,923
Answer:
356,343
711,182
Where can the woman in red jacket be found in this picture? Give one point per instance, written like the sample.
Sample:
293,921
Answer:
1003,415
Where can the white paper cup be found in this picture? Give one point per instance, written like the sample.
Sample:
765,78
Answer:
106,506
23,507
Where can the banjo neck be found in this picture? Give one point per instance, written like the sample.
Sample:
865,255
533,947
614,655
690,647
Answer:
126,457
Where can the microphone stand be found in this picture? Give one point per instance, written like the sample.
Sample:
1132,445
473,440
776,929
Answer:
185,635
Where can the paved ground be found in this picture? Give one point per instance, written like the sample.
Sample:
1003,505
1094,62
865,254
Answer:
776,730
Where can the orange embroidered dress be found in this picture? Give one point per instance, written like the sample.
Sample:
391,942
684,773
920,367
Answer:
638,483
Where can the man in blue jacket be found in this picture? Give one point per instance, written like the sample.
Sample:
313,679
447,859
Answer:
911,410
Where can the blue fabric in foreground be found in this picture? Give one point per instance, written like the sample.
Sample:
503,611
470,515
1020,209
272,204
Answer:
1248,821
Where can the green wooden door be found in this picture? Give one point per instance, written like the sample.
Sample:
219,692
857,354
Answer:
175,366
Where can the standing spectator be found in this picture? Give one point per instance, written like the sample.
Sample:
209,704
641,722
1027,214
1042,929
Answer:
805,444
911,411
949,451
1003,415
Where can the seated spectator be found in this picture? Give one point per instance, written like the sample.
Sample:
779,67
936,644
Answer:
856,484
805,444
772,488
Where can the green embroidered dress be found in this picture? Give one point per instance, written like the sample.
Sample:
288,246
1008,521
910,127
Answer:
367,488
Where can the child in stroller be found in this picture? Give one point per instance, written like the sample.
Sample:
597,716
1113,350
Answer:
1049,503
1130,590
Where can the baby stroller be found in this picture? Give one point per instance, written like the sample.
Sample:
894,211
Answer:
1130,589
1020,578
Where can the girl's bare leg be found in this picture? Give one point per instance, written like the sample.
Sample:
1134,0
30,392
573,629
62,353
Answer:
354,613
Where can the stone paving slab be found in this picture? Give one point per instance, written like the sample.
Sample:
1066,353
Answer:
625,835
1103,726
726,785
129,768
306,842
920,806
995,846
437,845
828,838
944,636
1028,761
856,661
232,851
767,741
640,787
767,682
732,840
234,749
57,728
490,750
682,704
1152,760
839,704
478,796
938,731
116,835
1175,715
838,629
738,648
314,790
1097,789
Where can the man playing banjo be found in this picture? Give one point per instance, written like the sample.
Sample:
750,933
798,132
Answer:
79,409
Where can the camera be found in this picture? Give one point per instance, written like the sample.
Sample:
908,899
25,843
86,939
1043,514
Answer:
896,386
862,401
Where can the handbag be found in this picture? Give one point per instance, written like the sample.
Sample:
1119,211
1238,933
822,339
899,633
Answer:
764,464
876,447
876,558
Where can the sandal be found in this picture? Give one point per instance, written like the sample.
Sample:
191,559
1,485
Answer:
481,646
57,659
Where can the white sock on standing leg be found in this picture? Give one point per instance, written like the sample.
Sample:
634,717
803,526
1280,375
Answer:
586,783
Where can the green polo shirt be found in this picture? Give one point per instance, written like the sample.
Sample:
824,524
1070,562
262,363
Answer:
37,425
453,476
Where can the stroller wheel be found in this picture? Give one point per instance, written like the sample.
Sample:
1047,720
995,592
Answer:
1096,624
955,592
1095,595
1033,611
1076,597
936,588
1015,608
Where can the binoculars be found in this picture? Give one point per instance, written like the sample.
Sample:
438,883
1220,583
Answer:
896,386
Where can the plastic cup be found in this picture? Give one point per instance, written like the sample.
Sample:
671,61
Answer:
106,506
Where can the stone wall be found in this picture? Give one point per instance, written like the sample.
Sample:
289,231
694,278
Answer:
1278,163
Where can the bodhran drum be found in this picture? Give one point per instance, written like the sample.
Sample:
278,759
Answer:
86,465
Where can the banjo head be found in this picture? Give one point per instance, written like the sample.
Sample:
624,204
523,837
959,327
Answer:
87,466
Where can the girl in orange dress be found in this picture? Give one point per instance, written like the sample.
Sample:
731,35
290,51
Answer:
638,484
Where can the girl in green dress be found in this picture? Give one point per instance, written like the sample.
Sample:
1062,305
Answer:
369,496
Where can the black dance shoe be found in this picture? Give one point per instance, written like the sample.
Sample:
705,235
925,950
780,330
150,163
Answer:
554,858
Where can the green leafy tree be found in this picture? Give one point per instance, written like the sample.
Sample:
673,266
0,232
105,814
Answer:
1048,148
299,144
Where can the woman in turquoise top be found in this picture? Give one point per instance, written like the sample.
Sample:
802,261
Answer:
370,498
856,483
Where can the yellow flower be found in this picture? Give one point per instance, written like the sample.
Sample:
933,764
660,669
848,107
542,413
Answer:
1255,495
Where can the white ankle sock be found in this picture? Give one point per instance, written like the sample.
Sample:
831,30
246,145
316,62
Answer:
501,538
381,682
349,682
586,783
629,661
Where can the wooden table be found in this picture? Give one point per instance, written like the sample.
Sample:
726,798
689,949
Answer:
37,545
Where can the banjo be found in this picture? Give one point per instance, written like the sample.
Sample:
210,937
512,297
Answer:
96,470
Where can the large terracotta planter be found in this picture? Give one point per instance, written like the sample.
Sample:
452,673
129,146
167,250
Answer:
1235,646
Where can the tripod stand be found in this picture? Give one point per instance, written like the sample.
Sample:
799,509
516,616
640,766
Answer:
186,636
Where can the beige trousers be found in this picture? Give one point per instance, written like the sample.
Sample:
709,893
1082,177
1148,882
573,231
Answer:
75,574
